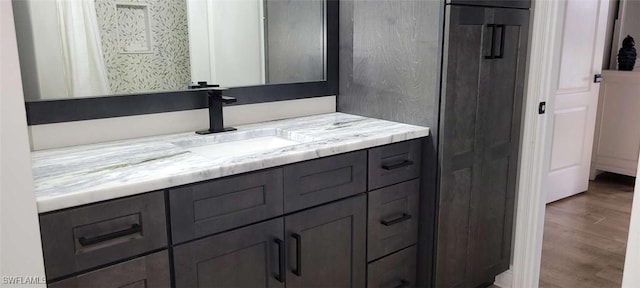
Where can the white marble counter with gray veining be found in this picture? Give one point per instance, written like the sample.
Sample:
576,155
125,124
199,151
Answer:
78,175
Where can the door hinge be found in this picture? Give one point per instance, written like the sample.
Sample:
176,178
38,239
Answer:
542,107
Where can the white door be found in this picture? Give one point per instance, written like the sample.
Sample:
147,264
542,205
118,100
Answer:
576,98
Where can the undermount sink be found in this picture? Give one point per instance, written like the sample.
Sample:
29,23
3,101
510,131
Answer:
242,142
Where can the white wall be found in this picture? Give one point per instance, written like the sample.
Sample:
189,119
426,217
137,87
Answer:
631,277
237,60
20,248
100,130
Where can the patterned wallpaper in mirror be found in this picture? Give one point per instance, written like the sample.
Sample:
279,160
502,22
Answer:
134,68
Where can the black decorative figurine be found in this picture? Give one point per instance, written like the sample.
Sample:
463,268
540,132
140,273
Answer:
627,54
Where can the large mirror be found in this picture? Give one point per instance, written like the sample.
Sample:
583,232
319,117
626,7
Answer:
81,48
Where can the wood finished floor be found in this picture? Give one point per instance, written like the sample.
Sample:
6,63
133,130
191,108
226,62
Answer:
585,236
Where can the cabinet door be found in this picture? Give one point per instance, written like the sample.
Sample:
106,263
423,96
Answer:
326,245
248,257
460,166
500,113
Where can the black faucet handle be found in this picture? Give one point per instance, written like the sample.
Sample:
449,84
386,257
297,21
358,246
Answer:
201,84
216,95
228,99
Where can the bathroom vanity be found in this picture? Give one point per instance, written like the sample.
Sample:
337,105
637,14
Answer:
328,200
333,200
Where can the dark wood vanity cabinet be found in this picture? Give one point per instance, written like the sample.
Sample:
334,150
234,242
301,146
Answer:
301,225
480,136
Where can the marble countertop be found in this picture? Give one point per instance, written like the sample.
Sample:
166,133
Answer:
78,175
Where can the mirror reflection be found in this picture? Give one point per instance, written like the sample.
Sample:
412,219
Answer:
79,48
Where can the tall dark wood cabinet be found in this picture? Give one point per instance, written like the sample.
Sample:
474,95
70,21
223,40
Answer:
481,108
458,67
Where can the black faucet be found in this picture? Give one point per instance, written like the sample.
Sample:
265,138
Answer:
216,99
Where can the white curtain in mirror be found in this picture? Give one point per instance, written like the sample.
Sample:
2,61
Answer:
84,66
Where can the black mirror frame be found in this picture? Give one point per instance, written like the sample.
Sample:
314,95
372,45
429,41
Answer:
88,108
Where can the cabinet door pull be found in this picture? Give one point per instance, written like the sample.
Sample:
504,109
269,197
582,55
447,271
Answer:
402,218
298,269
135,228
396,165
403,283
493,41
281,275
502,34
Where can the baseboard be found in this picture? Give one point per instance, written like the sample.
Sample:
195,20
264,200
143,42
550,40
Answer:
504,280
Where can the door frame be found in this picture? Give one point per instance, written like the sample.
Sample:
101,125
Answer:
544,67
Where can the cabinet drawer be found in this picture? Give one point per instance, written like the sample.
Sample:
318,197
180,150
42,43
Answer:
396,270
82,238
252,256
393,218
319,181
394,163
148,271
207,208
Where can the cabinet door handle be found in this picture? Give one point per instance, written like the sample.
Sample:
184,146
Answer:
493,41
403,283
280,276
502,34
396,165
402,218
135,228
298,269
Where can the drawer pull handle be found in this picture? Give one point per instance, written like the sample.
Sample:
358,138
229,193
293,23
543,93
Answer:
396,165
298,269
403,283
402,218
280,276
135,228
